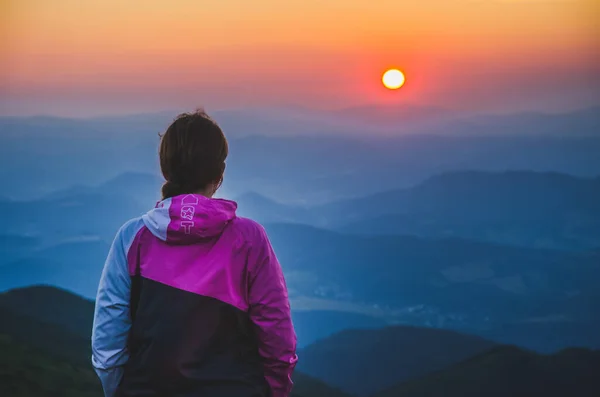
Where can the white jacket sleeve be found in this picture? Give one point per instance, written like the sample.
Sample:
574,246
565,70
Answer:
112,321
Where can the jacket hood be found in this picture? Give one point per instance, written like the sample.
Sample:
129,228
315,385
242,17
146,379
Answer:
188,218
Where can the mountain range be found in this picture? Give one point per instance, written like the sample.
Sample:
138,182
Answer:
45,350
385,356
510,371
291,160
523,243
546,210
525,208
419,244
396,279
45,347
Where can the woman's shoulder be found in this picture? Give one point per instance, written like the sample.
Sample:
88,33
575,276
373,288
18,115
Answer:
249,229
130,229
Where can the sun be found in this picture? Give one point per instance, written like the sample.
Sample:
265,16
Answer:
393,79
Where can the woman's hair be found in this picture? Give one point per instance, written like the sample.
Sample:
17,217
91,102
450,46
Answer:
192,154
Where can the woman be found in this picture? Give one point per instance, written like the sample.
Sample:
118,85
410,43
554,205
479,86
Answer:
192,300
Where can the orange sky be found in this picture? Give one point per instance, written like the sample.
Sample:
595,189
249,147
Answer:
83,57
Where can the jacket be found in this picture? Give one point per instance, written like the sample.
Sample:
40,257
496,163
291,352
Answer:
192,302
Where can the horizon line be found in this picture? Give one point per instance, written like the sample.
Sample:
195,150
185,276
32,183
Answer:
292,108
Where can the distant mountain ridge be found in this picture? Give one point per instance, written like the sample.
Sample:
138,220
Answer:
144,187
67,216
383,355
402,273
547,210
299,156
581,122
518,208
509,371
314,325
76,266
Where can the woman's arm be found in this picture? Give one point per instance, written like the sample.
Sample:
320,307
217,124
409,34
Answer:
270,312
111,317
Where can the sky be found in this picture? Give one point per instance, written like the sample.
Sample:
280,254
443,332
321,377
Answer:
79,58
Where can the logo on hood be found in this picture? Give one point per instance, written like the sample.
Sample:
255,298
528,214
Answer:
186,219
188,210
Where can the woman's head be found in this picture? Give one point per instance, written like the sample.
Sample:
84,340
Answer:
192,155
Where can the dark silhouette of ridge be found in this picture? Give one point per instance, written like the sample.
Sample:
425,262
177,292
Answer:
45,347
510,371
366,361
